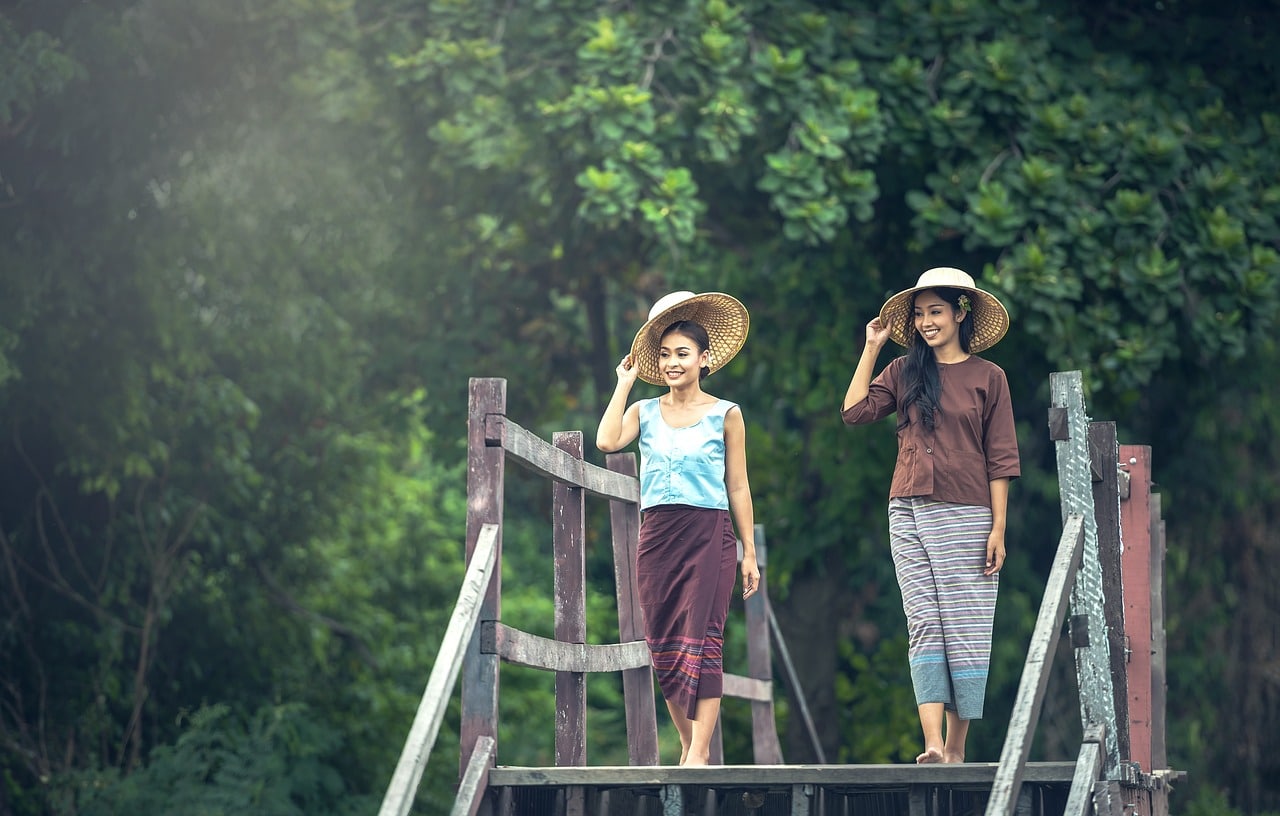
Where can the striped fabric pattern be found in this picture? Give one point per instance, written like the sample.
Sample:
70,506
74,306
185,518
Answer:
689,668
939,553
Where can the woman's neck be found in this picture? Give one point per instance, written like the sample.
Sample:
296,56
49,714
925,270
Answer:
950,354
684,396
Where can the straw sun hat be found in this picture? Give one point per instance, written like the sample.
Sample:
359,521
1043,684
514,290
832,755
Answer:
990,318
725,319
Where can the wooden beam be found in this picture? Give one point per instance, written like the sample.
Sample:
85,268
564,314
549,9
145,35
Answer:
1088,619
802,800
637,682
568,512
532,451
486,469
1135,521
481,573
475,780
975,775
1035,671
1159,683
765,746
1088,771
747,688
1104,454
525,649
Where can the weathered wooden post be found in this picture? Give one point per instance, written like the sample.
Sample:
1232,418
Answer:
568,510
766,750
1159,681
1103,461
1069,430
1135,512
487,400
637,684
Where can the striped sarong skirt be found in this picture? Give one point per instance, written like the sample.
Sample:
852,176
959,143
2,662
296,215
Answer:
686,565
939,554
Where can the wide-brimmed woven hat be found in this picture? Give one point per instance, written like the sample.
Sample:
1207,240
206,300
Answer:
725,319
990,317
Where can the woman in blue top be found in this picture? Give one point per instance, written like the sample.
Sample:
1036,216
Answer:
693,472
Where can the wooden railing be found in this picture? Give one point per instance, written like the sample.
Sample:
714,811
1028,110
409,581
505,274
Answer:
477,640
1089,574
1109,567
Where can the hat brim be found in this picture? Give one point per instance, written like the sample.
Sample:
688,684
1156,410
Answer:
723,316
990,317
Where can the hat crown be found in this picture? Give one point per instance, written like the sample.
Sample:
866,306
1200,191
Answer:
667,301
946,276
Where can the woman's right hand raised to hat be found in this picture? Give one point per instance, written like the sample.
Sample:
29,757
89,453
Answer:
627,371
877,333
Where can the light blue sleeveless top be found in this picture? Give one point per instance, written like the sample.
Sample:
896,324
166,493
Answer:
682,465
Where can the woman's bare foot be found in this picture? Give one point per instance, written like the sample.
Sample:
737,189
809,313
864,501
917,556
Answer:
930,756
952,758
696,759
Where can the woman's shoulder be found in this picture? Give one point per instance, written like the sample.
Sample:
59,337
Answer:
979,370
720,407
975,364
893,369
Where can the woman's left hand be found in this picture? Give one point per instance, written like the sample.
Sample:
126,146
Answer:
995,553
750,576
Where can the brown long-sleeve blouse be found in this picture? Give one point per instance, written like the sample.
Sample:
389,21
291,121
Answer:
973,441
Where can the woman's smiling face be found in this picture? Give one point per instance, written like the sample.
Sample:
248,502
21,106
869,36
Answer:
935,320
679,358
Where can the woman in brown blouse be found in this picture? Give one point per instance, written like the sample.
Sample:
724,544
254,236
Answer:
957,452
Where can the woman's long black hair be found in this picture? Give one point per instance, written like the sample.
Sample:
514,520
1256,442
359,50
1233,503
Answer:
922,389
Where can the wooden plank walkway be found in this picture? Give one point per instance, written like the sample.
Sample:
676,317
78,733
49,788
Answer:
975,775
772,790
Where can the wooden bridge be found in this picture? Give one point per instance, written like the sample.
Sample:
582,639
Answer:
1106,580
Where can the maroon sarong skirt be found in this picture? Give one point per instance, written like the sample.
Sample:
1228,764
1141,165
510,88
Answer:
686,566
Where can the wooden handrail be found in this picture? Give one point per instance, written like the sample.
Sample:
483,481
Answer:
521,648
533,452
1035,672
444,674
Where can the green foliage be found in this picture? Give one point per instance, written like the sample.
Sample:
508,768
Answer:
280,762
249,257
883,686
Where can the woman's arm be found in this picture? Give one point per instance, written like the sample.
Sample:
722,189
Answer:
859,386
995,541
620,425
739,489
